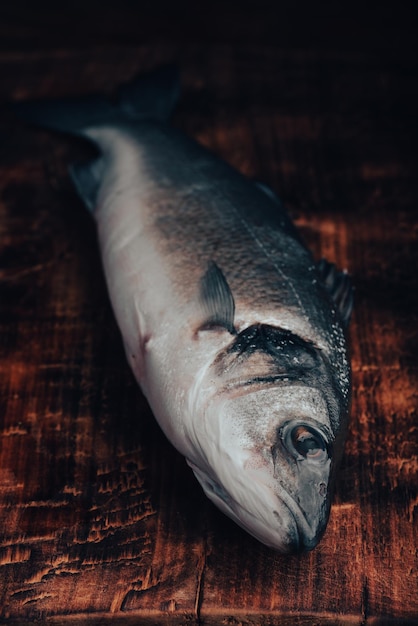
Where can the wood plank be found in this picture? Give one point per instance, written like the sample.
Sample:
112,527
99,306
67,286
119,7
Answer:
100,519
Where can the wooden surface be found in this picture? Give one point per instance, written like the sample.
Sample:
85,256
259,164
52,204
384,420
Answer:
100,519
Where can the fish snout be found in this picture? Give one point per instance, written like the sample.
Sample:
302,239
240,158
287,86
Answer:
305,490
280,533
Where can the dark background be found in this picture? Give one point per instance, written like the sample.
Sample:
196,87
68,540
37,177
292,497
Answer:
386,28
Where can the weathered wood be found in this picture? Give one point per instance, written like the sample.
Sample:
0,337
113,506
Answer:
100,519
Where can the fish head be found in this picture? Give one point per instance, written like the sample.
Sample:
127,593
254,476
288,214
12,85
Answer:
266,453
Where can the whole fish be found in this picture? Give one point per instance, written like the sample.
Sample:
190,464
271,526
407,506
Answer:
234,333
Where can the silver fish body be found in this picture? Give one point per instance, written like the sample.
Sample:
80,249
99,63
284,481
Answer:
234,334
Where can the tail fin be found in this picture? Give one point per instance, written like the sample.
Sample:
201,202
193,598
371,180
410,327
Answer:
150,96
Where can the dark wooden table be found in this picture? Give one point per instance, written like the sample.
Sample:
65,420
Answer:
100,519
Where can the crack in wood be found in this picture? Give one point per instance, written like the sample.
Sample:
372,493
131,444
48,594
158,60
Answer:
365,602
201,566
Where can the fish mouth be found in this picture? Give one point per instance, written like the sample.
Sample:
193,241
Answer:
248,384
284,536
308,537
291,533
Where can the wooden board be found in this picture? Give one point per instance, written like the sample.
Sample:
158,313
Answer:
100,519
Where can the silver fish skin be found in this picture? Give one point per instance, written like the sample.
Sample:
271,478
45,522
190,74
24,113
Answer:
234,334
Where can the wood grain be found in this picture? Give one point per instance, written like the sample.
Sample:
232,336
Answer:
100,519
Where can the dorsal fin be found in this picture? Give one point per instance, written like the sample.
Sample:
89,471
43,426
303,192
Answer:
339,287
268,191
216,300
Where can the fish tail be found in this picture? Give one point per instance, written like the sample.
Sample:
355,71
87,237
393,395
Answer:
150,96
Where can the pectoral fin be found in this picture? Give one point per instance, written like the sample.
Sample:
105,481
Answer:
338,285
216,300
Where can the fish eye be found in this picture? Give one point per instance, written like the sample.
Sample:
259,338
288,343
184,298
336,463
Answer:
309,443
